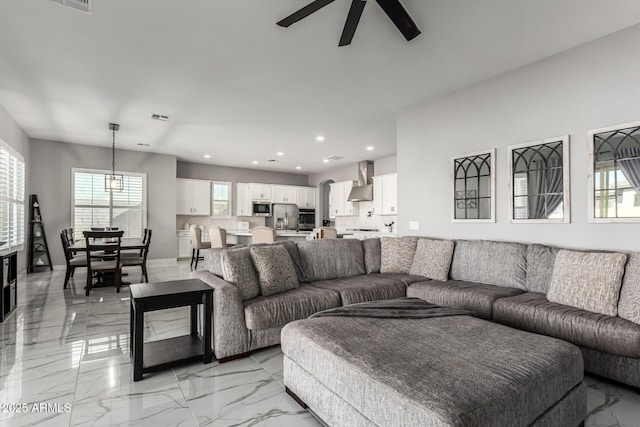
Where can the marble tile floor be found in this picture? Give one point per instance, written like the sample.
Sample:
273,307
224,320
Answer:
71,354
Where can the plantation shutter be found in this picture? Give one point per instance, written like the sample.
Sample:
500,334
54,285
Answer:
12,187
221,200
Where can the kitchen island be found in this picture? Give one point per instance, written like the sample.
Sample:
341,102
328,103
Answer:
243,237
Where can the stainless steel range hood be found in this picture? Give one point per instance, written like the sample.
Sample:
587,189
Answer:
364,191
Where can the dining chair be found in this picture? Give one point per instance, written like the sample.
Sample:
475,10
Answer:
103,242
196,245
70,258
132,261
329,232
136,253
263,235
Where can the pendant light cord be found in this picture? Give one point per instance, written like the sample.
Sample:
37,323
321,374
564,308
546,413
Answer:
113,155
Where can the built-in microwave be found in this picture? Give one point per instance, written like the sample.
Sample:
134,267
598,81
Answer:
261,209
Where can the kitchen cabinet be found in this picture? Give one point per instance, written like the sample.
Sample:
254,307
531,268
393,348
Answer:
339,206
243,200
385,194
260,192
284,194
307,198
184,244
193,197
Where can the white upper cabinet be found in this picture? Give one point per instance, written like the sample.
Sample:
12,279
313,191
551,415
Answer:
260,192
339,206
284,194
307,198
385,194
193,197
243,200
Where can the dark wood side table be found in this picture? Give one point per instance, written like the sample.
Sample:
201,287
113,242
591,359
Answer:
161,354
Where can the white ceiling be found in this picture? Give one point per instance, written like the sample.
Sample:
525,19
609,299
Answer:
240,88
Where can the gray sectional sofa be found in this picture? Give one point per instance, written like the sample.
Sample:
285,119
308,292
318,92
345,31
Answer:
507,283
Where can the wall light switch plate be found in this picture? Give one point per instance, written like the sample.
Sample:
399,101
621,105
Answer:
414,225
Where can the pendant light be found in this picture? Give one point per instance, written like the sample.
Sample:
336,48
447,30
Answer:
113,181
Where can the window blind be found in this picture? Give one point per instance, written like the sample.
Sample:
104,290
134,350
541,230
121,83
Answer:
221,200
12,187
94,206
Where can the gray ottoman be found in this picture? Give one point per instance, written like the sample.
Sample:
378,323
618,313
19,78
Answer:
445,371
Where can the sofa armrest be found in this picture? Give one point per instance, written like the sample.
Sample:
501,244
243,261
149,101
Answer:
230,333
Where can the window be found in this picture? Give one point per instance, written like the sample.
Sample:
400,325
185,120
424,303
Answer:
93,206
614,179
221,199
539,181
12,187
474,187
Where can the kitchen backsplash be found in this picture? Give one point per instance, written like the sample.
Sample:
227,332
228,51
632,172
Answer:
363,221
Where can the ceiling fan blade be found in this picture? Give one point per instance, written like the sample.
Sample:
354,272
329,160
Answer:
312,7
399,16
355,12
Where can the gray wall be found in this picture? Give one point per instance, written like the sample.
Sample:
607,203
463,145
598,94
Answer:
225,173
350,171
13,135
589,87
50,175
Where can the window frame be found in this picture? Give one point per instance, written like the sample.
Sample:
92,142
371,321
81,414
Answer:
566,184
110,206
591,208
492,184
229,199
14,203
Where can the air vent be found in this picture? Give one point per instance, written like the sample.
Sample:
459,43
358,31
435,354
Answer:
85,6
333,157
160,117
272,160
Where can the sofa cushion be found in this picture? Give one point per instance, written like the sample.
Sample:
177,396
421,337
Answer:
433,259
371,249
397,254
588,280
275,269
492,263
540,261
292,248
475,297
364,288
238,269
280,309
213,261
534,313
326,259
407,279
629,304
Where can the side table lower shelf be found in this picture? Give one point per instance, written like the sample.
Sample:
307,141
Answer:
170,352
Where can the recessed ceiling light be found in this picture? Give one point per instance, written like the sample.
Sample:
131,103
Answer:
160,117
369,148
326,160
319,138
298,167
207,156
255,162
280,153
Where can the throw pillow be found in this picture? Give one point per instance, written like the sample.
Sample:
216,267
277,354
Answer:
587,280
433,259
397,254
371,251
540,262
237,268
629,306
275,269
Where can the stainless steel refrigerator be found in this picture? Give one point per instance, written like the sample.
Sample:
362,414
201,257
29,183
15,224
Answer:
285,216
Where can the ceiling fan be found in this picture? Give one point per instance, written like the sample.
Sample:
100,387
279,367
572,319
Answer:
394,10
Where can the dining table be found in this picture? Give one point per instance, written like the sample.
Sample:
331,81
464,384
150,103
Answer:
127,243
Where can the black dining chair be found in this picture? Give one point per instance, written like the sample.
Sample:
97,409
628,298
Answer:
70,257
130,260
99,243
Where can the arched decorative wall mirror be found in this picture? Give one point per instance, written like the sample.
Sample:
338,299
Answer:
474,187
614,174
539,181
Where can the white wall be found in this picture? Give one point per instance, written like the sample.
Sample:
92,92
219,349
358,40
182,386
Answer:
13,135
589,87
